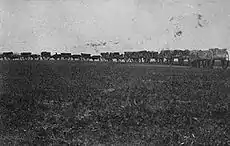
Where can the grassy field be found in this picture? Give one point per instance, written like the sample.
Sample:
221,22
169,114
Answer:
76,103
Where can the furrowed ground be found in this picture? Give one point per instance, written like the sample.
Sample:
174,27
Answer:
66,102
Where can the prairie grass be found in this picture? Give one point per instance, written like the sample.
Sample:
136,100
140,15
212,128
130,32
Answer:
69,103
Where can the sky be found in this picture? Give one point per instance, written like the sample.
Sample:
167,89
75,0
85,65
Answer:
115,25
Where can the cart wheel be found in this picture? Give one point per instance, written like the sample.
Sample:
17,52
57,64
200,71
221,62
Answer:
211,64
225,62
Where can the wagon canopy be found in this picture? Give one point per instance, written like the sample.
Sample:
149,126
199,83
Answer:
185,52
26,54
85,55
204,54
104,55
7,53
177,53
66,55
127,54
221,54
46,54
166,53
193,55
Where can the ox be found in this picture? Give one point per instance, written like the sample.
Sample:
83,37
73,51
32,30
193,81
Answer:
106,56
166,55
200,57
26,55
46,55
66,56
96,57
7,55
76,56
85,56
35,56
56,56
221,55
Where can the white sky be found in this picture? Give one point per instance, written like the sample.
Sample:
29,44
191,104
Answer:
67,25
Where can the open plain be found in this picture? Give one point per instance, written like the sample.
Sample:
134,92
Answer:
99,103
